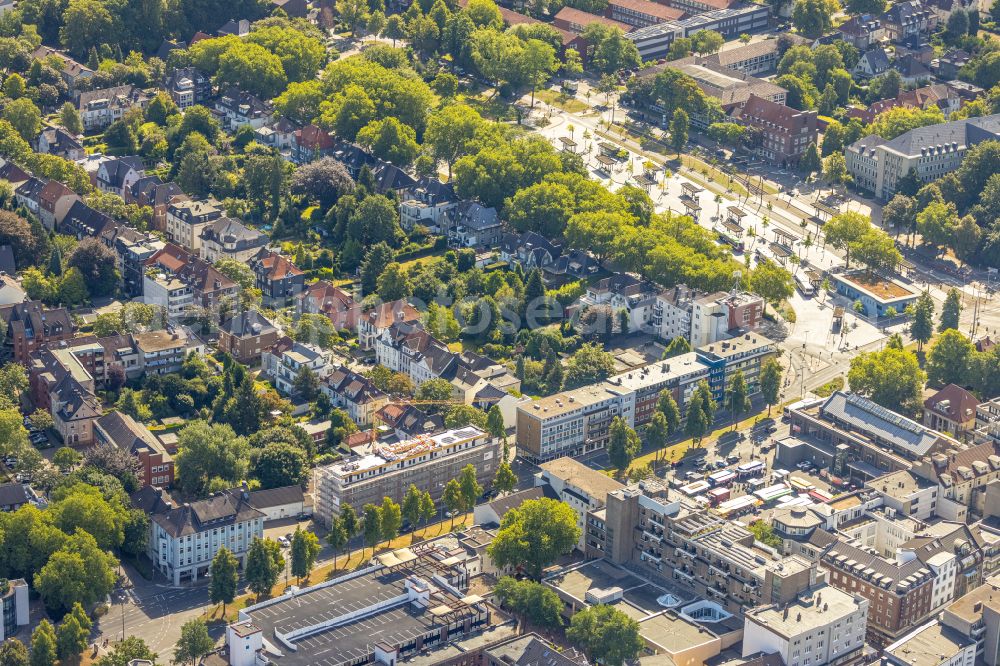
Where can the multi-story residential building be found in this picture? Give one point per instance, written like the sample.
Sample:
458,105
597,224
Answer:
640,13
703,6
373,323
907,494
823,626
184,539
785,132
246,336
226,238
188,86
386,469
54,203
30,326
929,152
426,203
470,224
862,31
571,423
323,298
153,192
721,315
962,474
899,591
932,644
156,467
163,352
976,616
575,422
279,280
745,353
286,359
355,394
908,19
100,108
187,220
672,312
74,411
951,410
582,488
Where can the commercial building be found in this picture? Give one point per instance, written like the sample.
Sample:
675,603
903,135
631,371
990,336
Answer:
14,599
653,42
932,644
976,615
641,13
379,469
406,605
582,488
785,132
962,475
879,296
823,626
184,539
929,152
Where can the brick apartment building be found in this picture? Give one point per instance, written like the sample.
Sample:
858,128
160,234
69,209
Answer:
30,326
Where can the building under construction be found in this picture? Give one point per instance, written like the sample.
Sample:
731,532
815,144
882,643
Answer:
387,468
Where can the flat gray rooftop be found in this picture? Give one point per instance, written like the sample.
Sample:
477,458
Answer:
354,639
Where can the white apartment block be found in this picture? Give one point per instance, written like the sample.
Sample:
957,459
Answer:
823,626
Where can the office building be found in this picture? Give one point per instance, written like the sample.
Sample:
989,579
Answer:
929,152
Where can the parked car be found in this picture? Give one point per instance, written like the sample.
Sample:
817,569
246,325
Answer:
282,541
720,464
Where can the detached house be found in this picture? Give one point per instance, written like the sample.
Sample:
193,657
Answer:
226,238
470,224
72,72
188,86
426,203
908,18
311,143
872,63
279,280
100,108
246,336
323,298
235,108
118,175
74,411
57,141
